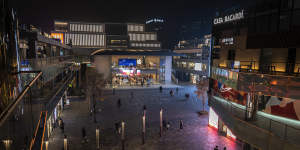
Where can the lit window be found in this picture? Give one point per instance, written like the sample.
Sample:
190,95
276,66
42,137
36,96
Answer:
147,37
152,37
134,37
142,37
141,28
136,28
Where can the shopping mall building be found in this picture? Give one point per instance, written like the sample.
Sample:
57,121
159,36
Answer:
254,85
123,52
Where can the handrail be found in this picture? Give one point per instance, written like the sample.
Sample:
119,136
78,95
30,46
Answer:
10,108
35,133
271,122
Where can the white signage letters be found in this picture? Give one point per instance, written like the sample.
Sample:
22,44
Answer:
231,17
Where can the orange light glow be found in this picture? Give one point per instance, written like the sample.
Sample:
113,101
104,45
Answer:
58,36
274,82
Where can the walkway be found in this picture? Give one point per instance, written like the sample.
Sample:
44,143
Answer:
196,135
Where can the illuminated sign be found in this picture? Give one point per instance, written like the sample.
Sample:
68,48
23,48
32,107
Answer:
229,18
155,20
198,66
58,36
227,41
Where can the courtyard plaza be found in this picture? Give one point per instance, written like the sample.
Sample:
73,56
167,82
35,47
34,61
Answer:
195,135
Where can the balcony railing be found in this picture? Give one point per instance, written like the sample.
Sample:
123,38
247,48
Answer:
286,129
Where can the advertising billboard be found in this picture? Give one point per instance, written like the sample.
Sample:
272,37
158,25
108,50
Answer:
127,62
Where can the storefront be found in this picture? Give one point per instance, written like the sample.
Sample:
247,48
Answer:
134,67
215,122
54,116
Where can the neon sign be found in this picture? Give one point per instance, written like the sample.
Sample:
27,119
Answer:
229,18
155,20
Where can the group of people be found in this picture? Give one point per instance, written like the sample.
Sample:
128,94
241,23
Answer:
217,148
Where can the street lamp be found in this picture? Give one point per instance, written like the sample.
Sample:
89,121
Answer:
160,121
144,129
7,144
46,144
97,138
123,135
65,143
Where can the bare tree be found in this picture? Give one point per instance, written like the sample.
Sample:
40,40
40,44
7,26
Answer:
94,83
202,88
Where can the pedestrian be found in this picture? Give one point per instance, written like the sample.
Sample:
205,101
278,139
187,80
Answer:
145,109
168,125
160,89
119,102
171,92
164,124
62,127
216,148
117,127
225,148
180,124
84,139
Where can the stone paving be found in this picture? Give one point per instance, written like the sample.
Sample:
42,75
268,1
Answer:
196,135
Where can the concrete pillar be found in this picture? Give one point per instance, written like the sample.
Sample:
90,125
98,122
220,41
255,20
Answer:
168,69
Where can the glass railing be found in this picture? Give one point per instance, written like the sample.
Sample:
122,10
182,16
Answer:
21,121
285,129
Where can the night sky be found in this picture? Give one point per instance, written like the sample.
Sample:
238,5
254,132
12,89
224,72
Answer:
176,12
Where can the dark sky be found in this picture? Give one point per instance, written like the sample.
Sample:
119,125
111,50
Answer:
176,12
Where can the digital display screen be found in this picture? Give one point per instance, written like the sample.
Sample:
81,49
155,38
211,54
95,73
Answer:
127,62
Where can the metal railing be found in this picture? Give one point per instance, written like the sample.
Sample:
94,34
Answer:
284,131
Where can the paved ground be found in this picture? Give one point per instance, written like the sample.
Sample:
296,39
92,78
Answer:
196,135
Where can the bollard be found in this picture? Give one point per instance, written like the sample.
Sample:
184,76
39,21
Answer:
97,138
161,126
65,143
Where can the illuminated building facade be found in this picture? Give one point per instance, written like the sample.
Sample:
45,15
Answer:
194,62
254,74
86,37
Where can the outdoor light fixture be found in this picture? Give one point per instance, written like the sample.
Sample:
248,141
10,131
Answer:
7,143
46,144
65,143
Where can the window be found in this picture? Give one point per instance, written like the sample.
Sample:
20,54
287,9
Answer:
134,37
140,28
142,37
152,37
147,37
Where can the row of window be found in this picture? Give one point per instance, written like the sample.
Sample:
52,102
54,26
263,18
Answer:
144,45
142,37
86,27
139,28
85,39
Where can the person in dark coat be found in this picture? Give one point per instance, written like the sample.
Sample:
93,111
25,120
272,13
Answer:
216,148
119,102
180,124
160,89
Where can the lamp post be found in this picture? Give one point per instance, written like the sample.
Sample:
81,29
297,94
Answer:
97,138
160,121
123,135
46,144
144,129
65,143
7,144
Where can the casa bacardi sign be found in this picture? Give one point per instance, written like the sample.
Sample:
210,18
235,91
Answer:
229,18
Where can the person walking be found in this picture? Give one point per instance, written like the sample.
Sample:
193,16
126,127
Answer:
62,127
119,102
216,148
117,127
160,89
84,138
168,125
145,109
171,92
180,124
225,148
